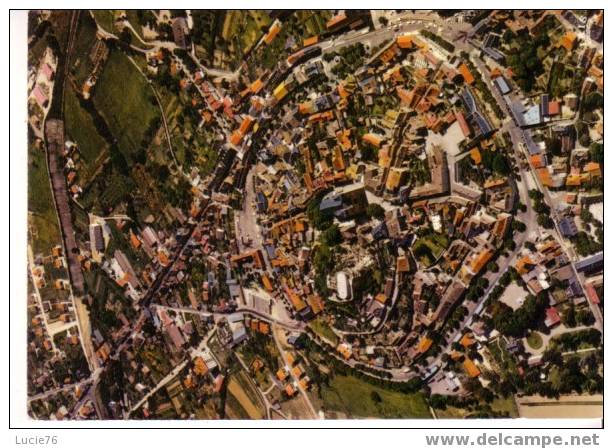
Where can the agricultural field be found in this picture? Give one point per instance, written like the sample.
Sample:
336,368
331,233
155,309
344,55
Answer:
129,121
246,396
80,128
81,64
42,219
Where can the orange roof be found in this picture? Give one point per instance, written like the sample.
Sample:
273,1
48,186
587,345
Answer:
337,159
373,139
544,177
471,369
289,389
134,240
536,160
281,374
297,371
236,137
475,154
381,298
424,344
335,20
272,33
522,263
405,41
478,263
266,282
304,383
297,302
290,359
310,41
200,367
592,167
568,40
491,183
246,125
163,258
342,91
466,74
256,86
264,328
316,304
344,350
467,340
343,138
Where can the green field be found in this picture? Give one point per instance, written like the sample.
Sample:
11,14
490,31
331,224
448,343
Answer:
355,398
430,247
43,220
535,340
126,102
81,65
105,18
321,327
505,405
80,128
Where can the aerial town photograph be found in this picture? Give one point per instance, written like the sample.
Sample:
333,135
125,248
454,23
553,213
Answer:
314,215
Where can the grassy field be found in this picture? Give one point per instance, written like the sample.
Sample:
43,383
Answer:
430,247
43,220
313,22
80,128
505,405
124,99
81,65
321,327
356,398
535,340
105,18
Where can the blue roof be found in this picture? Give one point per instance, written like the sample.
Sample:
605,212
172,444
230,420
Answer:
589,262
502,85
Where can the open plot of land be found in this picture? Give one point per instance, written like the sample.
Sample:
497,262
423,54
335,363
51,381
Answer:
589,406
322,328
357,398
126,102
246,396
296,408
43,220
449,141
514,295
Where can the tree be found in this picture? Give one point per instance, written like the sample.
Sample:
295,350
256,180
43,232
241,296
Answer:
126,36
332,236
554,145
569,317
375,397
500,164
375,211
597,152
585,140
553,356
544,221
593,101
